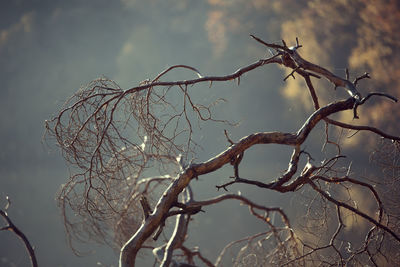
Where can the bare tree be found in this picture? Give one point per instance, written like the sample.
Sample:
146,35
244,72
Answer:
132,159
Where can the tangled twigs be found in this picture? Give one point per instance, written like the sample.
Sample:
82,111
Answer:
356,211
131,248
276,232
114,139
11,227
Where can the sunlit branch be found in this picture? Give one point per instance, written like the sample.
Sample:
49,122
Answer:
115,138
293,60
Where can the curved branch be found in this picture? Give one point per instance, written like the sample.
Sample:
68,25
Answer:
174,67
176,239
11,227
394,99
245,200
293,60
354,181
91,150
131,248
362,101
228,77
362,128
356,211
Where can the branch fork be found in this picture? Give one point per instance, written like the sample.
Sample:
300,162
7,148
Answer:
98,147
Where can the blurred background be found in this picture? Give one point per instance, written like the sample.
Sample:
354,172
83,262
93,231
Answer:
49,49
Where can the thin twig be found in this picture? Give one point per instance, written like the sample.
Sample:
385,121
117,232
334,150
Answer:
13,228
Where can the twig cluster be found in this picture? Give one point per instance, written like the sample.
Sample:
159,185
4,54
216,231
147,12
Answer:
129,152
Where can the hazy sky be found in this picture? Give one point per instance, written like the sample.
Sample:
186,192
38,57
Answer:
49,48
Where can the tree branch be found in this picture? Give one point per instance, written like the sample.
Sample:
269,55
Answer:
93,140
13,228
356,211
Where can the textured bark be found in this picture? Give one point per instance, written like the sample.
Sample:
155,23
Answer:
131,248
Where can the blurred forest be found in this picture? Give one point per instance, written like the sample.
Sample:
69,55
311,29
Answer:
48,49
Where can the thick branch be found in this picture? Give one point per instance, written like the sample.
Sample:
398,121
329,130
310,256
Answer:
362,101
176,239
293,60
90,148
131,248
